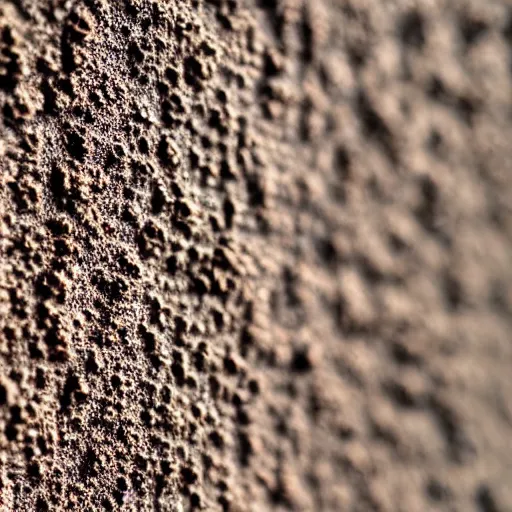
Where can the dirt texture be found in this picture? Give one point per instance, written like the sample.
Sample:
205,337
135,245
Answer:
256,255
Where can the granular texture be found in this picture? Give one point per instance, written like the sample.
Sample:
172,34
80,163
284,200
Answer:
255,255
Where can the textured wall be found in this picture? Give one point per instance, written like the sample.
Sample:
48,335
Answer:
255,255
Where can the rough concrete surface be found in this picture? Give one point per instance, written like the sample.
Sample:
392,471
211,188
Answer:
256,255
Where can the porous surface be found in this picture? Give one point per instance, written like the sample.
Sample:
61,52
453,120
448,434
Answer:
255,255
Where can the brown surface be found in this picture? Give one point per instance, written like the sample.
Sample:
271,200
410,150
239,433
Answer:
255,255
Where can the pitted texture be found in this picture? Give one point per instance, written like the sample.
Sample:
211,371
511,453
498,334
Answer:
255,255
